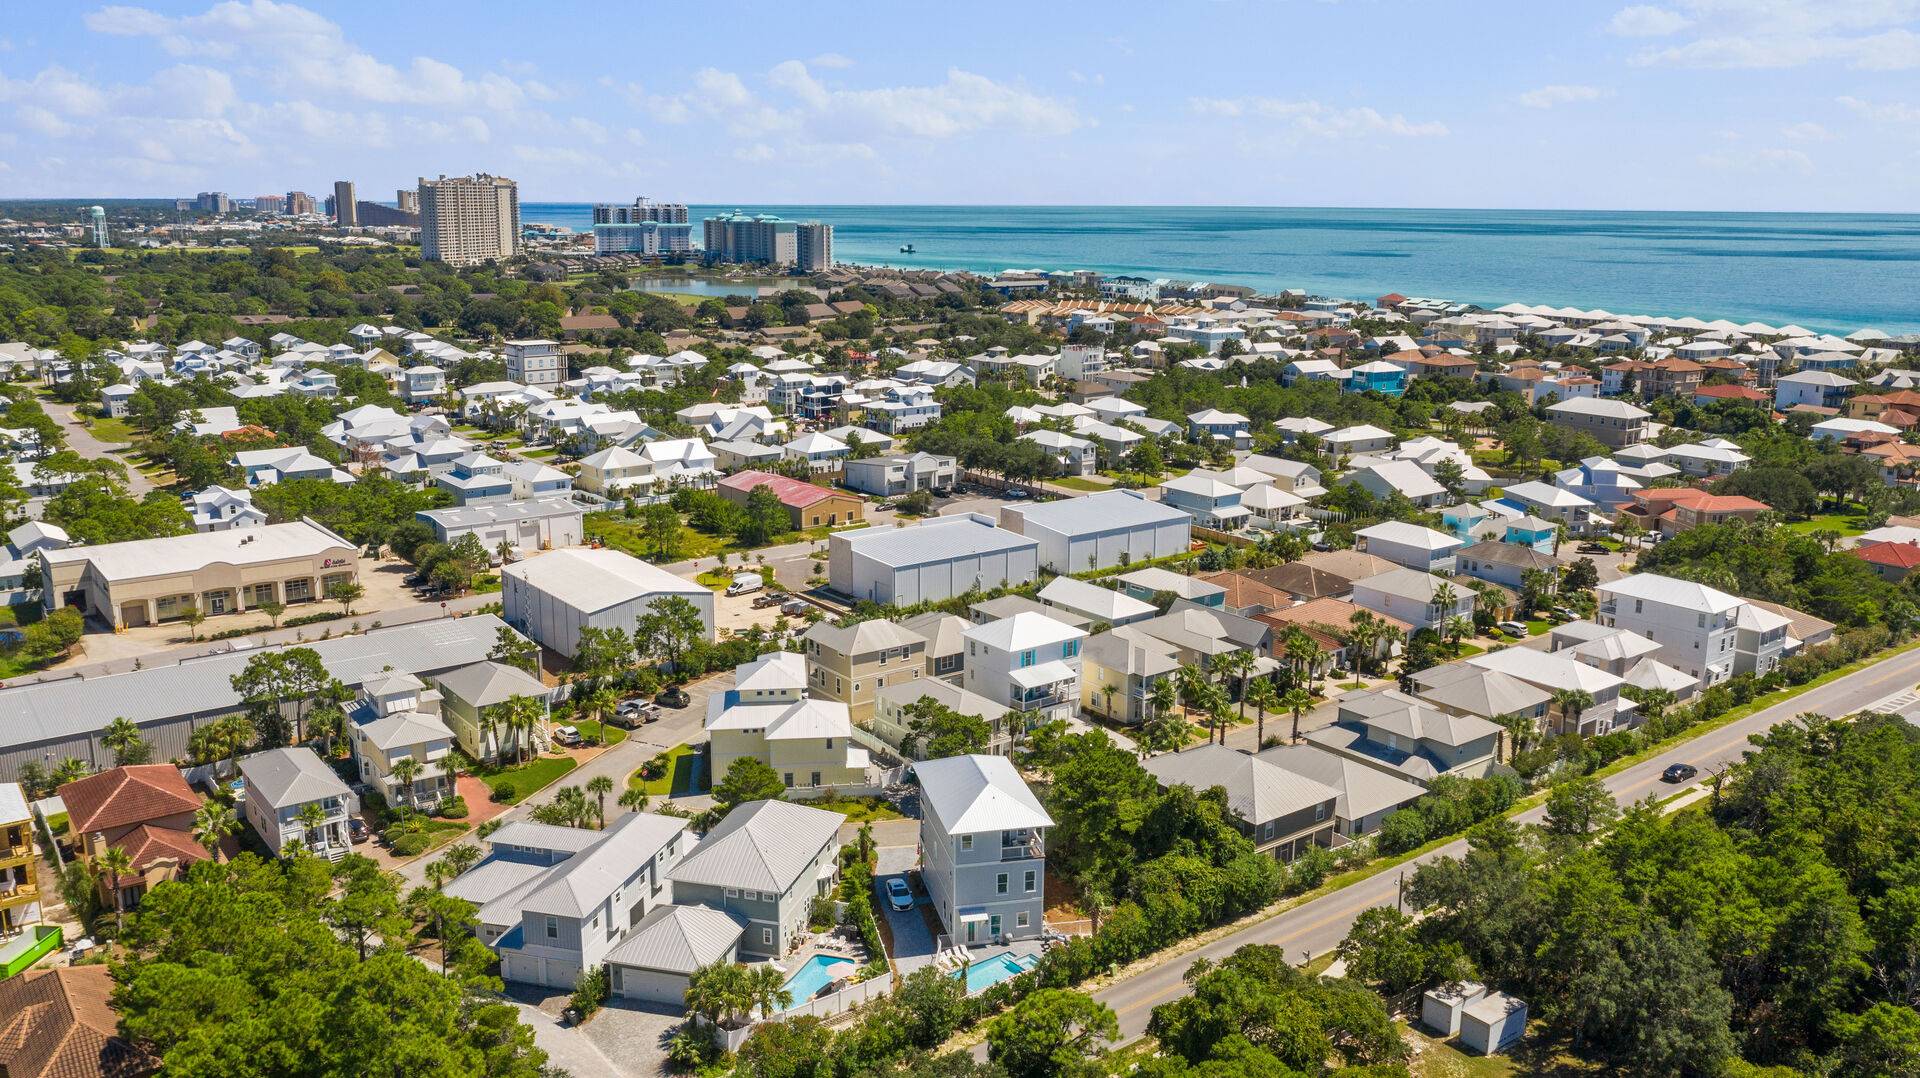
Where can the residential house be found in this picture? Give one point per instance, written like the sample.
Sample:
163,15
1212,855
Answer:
1212,424
1097,604
763,864
398,718
1408,738
1668,511
893,724
567,918
1210,502
656,961
218,508
821,453
1414,597
1118,670
19,863
1819,389
1556,505
613,471
1070,455
1355,441
1366,795
1465,689
1281,811
146,810
853,664
1613,423
281,783
1145,584
1410,545
946,642
1029,661
1553,672
768,716
265,466
1295,477
1385,478
1505,564
473,705
1889,561
982,849
60,1023
1697,627
530,479
476,479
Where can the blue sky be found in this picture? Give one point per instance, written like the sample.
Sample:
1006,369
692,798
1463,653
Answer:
1682,104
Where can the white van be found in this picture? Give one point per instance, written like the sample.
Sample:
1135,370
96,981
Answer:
746,584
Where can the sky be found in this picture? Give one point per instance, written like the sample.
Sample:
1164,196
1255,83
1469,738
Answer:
1799,105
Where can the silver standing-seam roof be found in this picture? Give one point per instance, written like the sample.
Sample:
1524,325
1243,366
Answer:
72,707
469,516
577,886
1103,512
484,684
291,776
589,580
1257,790
942,539
1363,790
760,846
678,939
971,794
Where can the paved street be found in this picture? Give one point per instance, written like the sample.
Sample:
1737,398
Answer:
1319,926
82,441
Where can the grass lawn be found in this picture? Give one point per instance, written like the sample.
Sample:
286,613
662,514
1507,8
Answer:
715,579
1845,523
57,823
529,778
590,732
1468,649
441,832
111,430
1537,626
683,775
613,529
1080,482
858,809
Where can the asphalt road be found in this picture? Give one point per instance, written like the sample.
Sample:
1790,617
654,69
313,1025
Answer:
1317,927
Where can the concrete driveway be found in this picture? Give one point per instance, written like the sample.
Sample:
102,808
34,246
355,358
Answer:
912,942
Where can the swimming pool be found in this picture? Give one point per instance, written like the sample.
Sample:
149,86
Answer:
816,973
988,972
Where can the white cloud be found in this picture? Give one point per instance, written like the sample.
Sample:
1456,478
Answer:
1766,34
1547,97
1316,119
831,60
1886,112
1806,131
588,129
1760,159
1645,20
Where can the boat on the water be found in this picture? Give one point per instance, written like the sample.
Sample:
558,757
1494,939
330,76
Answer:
906,248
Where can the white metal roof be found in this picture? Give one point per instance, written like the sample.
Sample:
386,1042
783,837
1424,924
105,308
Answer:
972,794
589,579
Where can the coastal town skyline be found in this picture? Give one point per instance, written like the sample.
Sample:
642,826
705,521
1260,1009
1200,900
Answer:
1741,105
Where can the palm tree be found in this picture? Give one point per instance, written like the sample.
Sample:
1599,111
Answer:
233,734
461,858
1520,731
1161,697
1296,700
1262,695
122,738
718,992
634,798
521,716
1363,636
312,818
1192,684
767,990
1444,600
1235,664
1572,702
600,700
1458,628
213,822
405,770
600,786
572,802
114,864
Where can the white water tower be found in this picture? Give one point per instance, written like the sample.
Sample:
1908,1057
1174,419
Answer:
99,215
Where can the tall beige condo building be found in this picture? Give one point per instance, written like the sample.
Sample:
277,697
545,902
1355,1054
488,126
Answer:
408,199
813,246
345,213
467,220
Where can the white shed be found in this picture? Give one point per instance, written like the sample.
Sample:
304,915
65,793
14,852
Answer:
1440,1007
1492,1022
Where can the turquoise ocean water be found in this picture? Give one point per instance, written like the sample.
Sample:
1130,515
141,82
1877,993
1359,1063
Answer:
1828,272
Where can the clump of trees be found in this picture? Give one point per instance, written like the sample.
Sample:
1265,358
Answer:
1774,924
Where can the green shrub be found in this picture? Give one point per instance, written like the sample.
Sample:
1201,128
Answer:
409,844
454,807
502,791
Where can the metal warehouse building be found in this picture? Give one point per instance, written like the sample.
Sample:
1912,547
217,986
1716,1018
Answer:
46,722
552,597
1079,534
939,559
527,526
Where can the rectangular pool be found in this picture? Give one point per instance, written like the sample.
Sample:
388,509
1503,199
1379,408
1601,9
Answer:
988,972
816,973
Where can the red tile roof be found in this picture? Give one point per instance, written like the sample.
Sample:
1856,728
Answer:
126,795
147,843
791,492
59,1023
1892,555
1730,392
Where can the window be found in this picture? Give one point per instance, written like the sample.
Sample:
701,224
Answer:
1320,811
829,744
751,896
733,893
1266,831
1027,658
856,686
1030,881
1020,920
766,936
1639,606
787,778
1703,621
553,928
1000,884
816,779
966,842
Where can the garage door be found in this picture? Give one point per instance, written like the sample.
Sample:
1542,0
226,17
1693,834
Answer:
650,986
527,969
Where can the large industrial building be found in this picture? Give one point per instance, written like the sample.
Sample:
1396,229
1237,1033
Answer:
1100,531
46,722
148,581
467,220
528,526
552,597
939,559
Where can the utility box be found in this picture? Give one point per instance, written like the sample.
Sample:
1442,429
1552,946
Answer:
1492,1022
1440,1008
